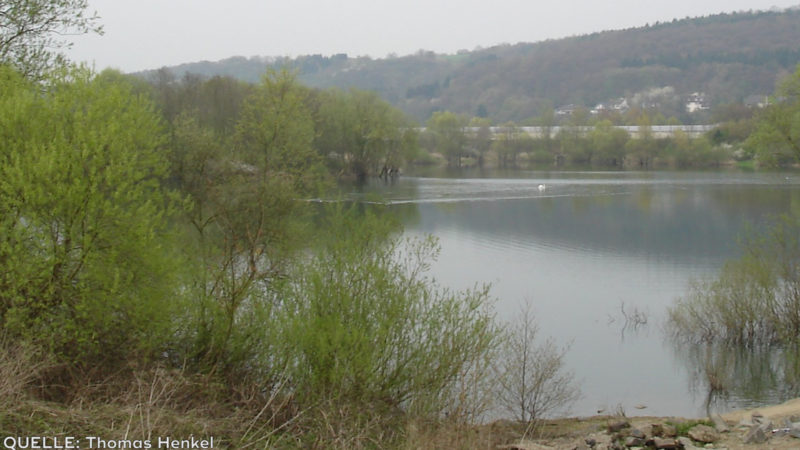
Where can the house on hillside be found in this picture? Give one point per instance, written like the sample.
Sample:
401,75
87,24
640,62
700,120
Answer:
566,111
619,105
697,101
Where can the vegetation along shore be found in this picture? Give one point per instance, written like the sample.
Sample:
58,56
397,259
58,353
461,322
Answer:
169,271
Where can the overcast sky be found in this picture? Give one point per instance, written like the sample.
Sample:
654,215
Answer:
147,34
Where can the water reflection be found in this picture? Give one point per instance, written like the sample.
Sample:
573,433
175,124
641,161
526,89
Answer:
587,244
729,377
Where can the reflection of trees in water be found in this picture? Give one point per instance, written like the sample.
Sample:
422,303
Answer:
737,377
631,321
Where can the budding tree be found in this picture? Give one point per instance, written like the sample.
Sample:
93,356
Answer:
32,32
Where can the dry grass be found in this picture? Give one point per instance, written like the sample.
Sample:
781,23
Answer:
20,366
148,403
137,404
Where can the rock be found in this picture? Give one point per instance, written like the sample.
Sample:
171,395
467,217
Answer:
687,443
670,431
720,424
525,445
656,429
665,443
601,440
616,427
636,433
631,441
704,434
756,435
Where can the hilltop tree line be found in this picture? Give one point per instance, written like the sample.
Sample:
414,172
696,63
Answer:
357,135
354,134
727,56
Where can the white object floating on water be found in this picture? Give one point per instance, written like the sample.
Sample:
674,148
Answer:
542,188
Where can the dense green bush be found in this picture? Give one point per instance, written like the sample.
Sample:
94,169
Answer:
363,324
84,260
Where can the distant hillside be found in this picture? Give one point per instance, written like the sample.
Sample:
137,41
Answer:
728,57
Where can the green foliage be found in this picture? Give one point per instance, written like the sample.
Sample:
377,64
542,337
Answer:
480,140
362,135
216,103
84,255
509,144
31,30
683,427
754,301
684,152
243,226
608,143
735,121
776,140
276,131
366,326
449,136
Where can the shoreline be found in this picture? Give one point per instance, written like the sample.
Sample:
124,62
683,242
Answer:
776,427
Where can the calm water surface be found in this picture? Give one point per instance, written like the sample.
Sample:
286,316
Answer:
589,246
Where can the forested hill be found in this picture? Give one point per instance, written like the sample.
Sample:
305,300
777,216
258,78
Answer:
728,57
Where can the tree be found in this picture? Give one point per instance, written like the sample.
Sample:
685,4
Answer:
776,140
449,135
480,140
361,134
276,131
245,218
85,265
641,151
31,30
608,143
533,382
509,143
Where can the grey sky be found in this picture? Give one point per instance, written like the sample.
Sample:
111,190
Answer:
147,34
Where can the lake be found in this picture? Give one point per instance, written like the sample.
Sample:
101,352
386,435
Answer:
592,249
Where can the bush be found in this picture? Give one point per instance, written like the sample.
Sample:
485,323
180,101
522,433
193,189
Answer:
364,325
533,382
84,258
754,301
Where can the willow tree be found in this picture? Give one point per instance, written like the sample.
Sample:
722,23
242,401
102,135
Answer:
84,260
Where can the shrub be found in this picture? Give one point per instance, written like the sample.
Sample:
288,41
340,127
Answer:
364,325
754,301
84,262
533,381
